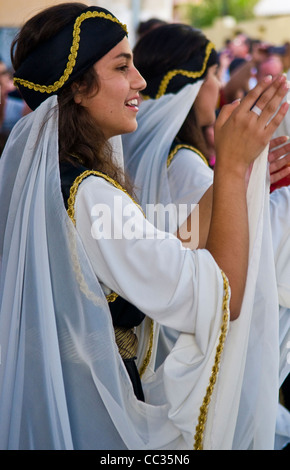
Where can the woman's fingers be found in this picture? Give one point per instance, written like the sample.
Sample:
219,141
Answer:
270,127
262,94
276,152
268,104
279,159
241,134
279,175
278,141
226,111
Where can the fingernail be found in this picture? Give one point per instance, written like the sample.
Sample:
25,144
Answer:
236,101
268,78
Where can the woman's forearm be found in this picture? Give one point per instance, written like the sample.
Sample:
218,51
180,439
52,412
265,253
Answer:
228,238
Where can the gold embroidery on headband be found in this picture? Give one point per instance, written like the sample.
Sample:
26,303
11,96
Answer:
72,56
187,73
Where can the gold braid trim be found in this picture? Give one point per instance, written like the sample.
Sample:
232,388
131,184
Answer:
77,182
198,438
71,213
172,73
73,53
71,203
127,342
149,352
180,146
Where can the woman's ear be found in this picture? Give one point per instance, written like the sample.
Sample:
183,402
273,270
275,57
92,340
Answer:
77,93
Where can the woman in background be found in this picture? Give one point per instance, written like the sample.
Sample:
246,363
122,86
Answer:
166,158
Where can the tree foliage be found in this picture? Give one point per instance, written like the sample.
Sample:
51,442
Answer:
204,14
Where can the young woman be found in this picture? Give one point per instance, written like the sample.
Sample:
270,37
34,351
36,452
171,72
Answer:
65,380
166,157
182,115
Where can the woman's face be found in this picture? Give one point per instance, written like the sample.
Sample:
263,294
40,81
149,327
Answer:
206,100
114,107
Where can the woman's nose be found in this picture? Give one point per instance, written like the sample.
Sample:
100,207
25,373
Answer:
139,82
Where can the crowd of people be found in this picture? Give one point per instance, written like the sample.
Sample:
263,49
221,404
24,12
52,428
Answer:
145,275
12,105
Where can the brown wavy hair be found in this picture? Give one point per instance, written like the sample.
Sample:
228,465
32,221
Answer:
78,133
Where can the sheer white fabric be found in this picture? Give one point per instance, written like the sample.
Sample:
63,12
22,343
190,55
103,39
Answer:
253,365
284,128
154,137
63,384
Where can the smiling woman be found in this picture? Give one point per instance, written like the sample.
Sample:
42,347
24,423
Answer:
119,84
80,314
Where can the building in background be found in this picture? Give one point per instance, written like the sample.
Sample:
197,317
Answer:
271,24
272,21
14,13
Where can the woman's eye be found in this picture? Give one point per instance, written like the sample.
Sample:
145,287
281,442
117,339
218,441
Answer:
123,68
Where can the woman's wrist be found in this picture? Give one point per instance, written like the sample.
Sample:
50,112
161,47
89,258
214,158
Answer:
231,167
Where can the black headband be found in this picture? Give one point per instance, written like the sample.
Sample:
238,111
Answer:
66,56
190,72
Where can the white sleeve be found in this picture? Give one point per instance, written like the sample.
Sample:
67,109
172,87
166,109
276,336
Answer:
145,266
189,177
280,224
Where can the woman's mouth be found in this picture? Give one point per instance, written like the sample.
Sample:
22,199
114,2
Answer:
133,104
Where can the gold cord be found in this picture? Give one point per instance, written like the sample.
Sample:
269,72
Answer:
187,73
127,342
77,182
189,147
149,351
198,438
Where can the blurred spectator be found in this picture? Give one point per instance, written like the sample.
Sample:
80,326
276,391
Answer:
243,71
146,26
11,108
286,57
272,65
240,46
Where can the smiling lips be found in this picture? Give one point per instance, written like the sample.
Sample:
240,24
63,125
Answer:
133,104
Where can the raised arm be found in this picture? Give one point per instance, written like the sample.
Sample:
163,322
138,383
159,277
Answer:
240,136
